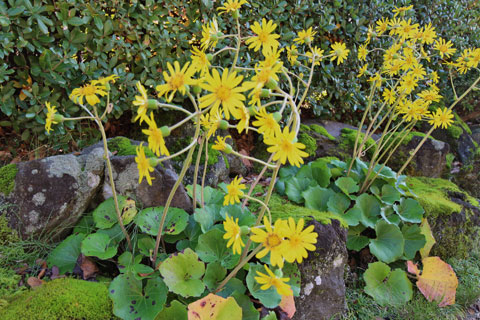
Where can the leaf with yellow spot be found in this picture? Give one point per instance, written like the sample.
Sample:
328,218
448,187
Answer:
213,307
427,232
437,281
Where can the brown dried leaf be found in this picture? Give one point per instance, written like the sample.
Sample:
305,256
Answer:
34,282
89,268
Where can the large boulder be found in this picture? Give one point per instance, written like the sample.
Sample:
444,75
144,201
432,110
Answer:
322,294
49,195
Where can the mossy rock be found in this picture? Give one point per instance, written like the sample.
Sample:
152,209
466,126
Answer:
124,147
309,142
322,131
453,215
61,299
348,138
7,178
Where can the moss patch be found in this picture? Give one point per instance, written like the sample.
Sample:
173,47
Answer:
454,131
348,137
7,178
309,142
461,123
449,158
61,299
7,235
124,147
8,284
321,131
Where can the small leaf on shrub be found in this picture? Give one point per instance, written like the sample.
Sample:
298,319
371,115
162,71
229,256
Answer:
182,272
409,210
347,185
212,247
132,301
414,240
98,245
270,297
105,215
389,244
387,287
437,281
65,255
176,311
149,220
317,198
213,307
427,232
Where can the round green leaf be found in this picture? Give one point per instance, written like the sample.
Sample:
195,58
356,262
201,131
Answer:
338,203
317,198
182,272
176,311
347,185
414,240
132,301
149,220
212,247
390,194
207,216
98,245
295,186
353,216
245,217
387,287
65,255
270,297
388,214
370,207
389,244
409,210
105,215
318,171
214,274
248,309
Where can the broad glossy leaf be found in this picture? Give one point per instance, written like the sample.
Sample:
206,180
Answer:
409,210
389,194
149,220
98,245
214,274
176,311
105,215
414,240
295,186
212,247
133,301
387,287
353,216
347,185
248,309
318,171
65,255
370,207
338,203
317,198
389,244
182,272
207,216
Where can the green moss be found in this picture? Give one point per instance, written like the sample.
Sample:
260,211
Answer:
7,178
322,131
348,137
61,299
462,123
449,157
7,235
8,284
283,209
123,146
454,131
304,127
309,142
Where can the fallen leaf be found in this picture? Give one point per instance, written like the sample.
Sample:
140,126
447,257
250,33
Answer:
437,281
55,273
89,268
246,162
214,307
288,305
34,282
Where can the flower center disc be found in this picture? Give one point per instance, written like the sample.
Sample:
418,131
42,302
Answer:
223,93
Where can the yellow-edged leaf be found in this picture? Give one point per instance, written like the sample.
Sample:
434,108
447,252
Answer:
213,307
427,232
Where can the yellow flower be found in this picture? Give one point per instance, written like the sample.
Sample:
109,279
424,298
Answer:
264,36
271,280
209,35
156,143
51,111
106,80
221,143
272,240
317,53
408,83
414,110
231,6
430,96
305,36
394,25
266,123
272,57
298,241
141,102
143,165
428,34
283,146
376,79
200,61
382,26
225,91
389,95
362,70
89,92
339,51
394,67
292,54
243,116
419,72
234,191
362,52
401,10
406,29
409,60
462,61
474,58
444,48
434,77
233,233
210,122
177,80
441,118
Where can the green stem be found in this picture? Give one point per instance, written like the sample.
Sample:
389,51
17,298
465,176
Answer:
239,42
195,173
253,159
261,202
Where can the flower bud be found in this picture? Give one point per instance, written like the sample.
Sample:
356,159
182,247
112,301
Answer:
308,40
197,89
265,93
152,104
272,84
235,14
244,230
223,124
278,273
228,149
277,116
252,111
209,57
153,162
214,37
58,117
165,131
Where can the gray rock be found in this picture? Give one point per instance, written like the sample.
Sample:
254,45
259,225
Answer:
322,295
466,148
51,194
125,175
429,161
215,174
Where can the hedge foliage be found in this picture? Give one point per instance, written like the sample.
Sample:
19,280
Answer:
50,47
